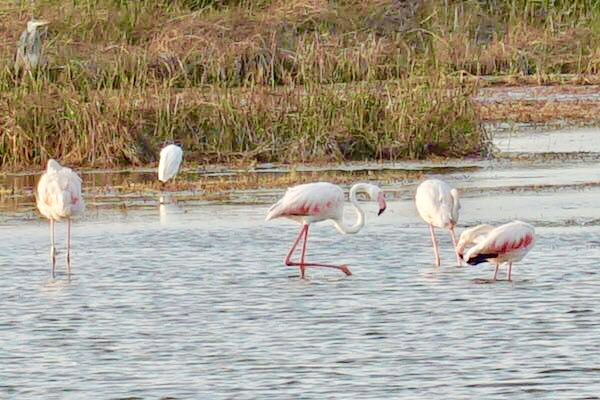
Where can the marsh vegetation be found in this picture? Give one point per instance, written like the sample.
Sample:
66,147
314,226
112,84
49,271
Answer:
262,81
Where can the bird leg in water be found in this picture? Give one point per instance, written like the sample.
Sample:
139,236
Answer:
69,246
510,271
342,268
435,246
289,256
52,248
453,236
496,272
302,264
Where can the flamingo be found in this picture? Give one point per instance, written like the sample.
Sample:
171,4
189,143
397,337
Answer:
320,201
170,160
506,243
58,198
438,205
475,235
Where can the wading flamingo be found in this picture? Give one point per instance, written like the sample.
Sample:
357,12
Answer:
170,160
438,205
320,201
59,197
472,235
506,243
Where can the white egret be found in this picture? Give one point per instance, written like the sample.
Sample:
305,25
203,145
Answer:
170,160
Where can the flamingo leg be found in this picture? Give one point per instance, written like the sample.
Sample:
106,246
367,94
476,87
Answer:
496,272
436,254
69,246
52,247
342,268
510,271
302,264
453,236
288,260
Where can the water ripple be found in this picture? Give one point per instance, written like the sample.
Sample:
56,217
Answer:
196,307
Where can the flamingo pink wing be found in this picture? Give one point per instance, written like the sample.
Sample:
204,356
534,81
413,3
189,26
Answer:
508,238
319,199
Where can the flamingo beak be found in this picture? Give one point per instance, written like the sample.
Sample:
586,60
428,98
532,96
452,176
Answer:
381,203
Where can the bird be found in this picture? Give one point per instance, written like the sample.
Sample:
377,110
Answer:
438,205
506,243
170,160
58,198
472,235
29,47
319,201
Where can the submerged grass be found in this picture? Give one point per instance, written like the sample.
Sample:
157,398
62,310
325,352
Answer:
312,80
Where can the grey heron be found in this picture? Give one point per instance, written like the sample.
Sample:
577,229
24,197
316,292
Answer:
29,47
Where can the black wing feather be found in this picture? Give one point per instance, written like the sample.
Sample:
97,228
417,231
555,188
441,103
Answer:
480,258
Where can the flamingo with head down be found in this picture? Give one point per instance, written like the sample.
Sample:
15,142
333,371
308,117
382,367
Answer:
58,198
506,243
320,201
438,205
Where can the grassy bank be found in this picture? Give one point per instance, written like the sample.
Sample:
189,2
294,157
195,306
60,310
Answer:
393,120
272,80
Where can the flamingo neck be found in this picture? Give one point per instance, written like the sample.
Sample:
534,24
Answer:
360,222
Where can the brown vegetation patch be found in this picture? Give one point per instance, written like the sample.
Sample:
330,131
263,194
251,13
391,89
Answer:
277,80
539,104
389,121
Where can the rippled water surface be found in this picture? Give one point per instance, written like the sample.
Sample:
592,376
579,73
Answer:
192,300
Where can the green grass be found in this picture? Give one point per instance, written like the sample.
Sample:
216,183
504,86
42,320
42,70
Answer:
392,120
280,81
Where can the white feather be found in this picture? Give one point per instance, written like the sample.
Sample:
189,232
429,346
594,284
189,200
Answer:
472,235
311,202
437,203
511,242
59,192
170,160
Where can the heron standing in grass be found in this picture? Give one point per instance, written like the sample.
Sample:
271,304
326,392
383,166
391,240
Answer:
29,48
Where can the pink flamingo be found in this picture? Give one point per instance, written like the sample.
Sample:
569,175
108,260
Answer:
315,202
438,205
506,243
59,197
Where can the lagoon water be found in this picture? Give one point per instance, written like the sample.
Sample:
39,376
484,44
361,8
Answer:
192,300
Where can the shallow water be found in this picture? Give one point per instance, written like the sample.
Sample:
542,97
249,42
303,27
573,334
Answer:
192,300
583,140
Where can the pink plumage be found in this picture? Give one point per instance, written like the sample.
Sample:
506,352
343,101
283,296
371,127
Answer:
59,197
506,243
320,201
311,202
